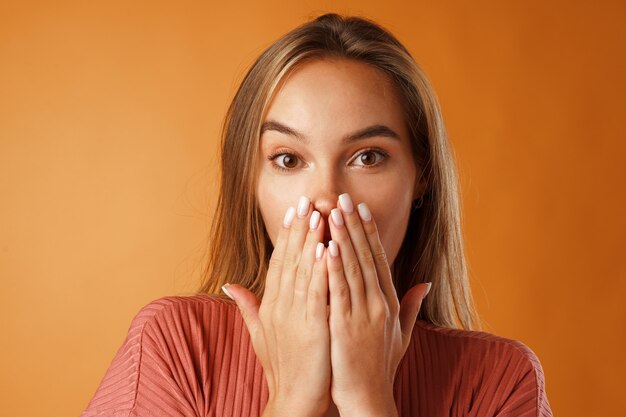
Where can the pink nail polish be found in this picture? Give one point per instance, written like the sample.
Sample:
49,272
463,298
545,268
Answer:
336,216
315,220
319,251
364,212
303,206
346,203
289,215
333,248
225,289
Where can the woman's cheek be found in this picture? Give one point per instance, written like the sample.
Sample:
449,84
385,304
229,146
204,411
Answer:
275,195
391,213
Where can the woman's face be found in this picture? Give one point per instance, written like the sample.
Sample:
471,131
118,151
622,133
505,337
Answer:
336,126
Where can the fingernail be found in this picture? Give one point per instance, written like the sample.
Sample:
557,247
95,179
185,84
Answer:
346,203
291,212
319,251
303,206
224,288
333,248
336,216
315,220
364,212
430,284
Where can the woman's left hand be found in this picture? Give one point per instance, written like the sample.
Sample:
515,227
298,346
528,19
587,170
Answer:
369,329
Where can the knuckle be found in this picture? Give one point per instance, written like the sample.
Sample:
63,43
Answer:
379,311
342,290
275,263
291,260
380,256
371,229
353,268
315,295
299,293
365,254
303,273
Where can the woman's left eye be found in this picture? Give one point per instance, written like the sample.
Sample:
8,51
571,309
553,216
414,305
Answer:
370,158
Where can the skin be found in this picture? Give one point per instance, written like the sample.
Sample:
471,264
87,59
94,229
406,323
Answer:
327,101
330,331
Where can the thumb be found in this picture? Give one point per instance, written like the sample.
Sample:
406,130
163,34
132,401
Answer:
248,305
409,307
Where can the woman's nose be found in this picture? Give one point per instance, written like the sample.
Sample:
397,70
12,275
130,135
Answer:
325,204
324,192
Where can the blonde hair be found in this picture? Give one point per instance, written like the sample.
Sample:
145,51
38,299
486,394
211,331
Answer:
432,250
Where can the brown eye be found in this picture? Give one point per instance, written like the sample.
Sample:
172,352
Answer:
289,161
370,158
284,161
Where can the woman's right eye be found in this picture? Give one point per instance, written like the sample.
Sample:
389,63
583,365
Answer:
284,161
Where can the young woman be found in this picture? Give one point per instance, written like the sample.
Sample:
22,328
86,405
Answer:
338,199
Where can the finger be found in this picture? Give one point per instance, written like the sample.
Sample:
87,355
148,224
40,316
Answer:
248,305
305,268
380,257
293,252
409,308
317,296
361,248
340,302
351,267
275,267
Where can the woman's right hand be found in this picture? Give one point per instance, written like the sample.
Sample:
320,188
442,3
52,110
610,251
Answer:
289,327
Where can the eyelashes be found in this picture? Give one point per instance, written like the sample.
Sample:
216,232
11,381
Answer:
277,158
273,158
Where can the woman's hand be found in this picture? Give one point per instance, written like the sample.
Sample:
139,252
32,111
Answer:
289,328
369,329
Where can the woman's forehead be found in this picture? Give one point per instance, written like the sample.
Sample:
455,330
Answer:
335,97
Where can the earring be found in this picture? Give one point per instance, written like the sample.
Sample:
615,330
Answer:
417,203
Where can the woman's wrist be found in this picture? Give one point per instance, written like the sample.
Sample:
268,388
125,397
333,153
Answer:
278,408
369,406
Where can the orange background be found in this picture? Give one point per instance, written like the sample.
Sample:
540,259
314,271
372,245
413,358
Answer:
109,122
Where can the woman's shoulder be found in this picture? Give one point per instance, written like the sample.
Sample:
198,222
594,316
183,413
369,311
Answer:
505,368
490,348
172,308
472,339
177,301
164,356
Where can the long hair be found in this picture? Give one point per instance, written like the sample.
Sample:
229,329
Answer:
432,249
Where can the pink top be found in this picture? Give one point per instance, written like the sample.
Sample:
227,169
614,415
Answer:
192,356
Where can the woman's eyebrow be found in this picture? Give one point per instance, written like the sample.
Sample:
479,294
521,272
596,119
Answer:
368,132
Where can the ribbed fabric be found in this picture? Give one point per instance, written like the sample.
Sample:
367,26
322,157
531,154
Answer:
192,356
